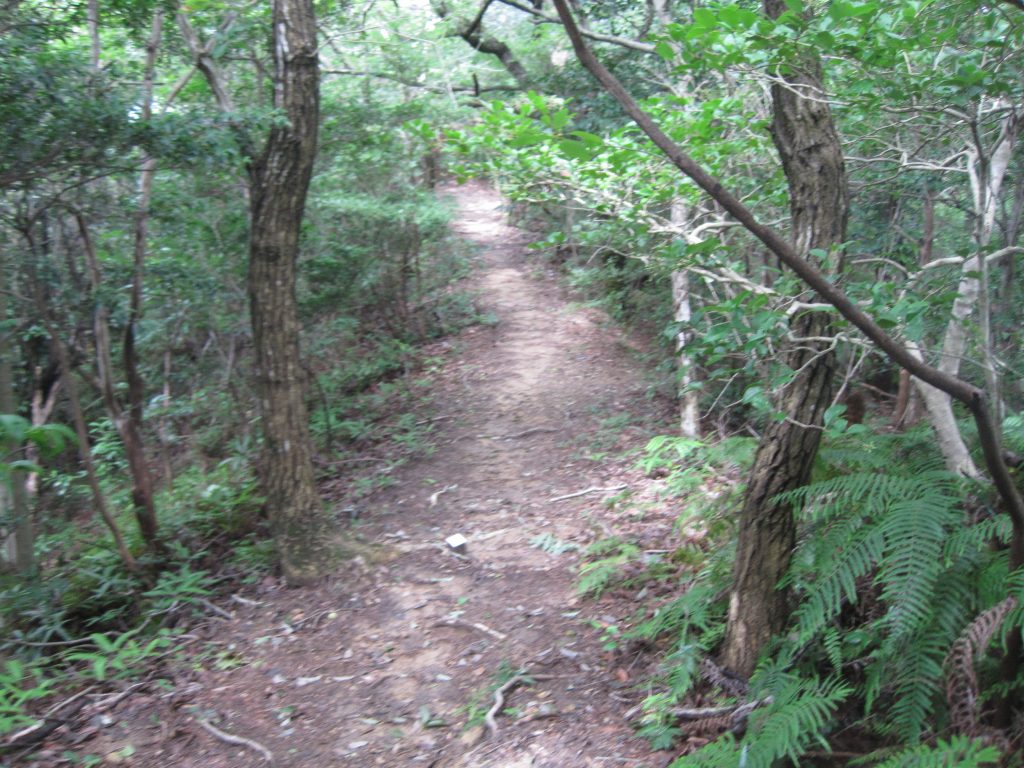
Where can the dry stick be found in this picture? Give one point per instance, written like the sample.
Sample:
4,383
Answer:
592,489
973,397
472,625
524,433
499,702
215,609
246,601
230,738
437,494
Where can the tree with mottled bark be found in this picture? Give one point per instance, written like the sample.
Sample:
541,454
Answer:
279,181
812,158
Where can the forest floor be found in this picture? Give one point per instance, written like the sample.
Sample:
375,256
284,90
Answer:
537,423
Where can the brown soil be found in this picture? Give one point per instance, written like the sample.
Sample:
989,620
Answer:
395,663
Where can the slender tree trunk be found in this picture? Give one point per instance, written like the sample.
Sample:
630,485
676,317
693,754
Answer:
19,543
85,450
812,157
142,479
689,402
987,171
127,429
279,183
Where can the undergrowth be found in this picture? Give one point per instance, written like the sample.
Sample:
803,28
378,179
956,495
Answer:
897,561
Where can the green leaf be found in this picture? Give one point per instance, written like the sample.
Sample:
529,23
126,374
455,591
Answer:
560,119
575,150
590,139
704,18
737,18
666,51
13,427
528,137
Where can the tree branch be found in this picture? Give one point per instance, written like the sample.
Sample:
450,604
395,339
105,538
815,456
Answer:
624,42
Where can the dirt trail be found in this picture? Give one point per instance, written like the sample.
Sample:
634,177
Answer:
396,664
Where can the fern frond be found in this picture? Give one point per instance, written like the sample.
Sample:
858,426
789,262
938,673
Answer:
869,493
795,718
954,601
846,552
916,685
723,752
833,643
915,531
694,609
971,539
958,752
962,683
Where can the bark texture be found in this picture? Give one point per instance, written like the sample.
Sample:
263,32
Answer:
279,183
808,144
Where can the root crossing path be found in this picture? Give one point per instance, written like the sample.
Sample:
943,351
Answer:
431,657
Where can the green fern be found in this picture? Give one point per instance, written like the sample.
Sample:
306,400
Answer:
695,609
721,753
796,718
597,575
958,752
971,539
1013,432
845,552
799,712
915,529
916,670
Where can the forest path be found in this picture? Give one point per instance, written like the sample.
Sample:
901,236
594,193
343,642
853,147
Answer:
396,663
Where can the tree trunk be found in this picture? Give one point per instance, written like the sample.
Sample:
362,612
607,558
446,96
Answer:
689,401
19,543
127,427
812,157
279,182
987,170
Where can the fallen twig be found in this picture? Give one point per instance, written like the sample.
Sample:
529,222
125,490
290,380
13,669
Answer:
246,601
524,433
432,419
585,491
499,701
230,738
114,699
215,609
737,713
472,625
437,494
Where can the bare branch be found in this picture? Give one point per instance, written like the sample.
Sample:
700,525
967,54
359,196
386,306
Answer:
624,42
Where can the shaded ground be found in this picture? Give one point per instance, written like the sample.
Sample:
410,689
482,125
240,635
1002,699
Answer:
396,663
